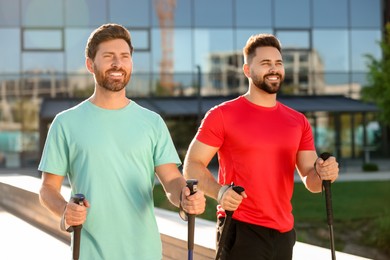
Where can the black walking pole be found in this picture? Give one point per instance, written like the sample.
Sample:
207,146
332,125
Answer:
226,224
329,211
192,185
78,199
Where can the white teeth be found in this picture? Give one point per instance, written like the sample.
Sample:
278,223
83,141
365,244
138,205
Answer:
116,74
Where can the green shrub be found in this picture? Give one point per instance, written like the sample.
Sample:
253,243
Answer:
370,167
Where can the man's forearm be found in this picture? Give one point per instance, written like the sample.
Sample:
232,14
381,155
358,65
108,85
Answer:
173,191
206,181
313,182
52,200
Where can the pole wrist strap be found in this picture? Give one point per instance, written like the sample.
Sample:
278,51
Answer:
222,191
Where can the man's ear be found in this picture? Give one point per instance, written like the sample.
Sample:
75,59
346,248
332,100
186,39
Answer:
245,69
89,65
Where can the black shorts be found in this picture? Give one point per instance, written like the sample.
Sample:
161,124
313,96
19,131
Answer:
252,242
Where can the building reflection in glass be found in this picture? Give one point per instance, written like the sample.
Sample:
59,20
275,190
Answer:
43,41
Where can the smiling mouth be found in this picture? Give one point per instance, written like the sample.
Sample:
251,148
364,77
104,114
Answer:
272,77
116,74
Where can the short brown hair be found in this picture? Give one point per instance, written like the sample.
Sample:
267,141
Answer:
106,32
259,40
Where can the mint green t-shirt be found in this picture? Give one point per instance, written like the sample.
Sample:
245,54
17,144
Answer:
110,157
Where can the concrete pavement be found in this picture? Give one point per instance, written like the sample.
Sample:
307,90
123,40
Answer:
22,241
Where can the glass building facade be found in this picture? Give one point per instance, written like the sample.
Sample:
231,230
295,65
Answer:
42,55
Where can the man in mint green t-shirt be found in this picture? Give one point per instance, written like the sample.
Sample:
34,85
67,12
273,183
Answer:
111,148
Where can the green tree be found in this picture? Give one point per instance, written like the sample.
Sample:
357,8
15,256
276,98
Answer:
378,88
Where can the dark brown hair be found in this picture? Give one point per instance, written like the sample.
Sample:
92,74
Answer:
259,40
106,32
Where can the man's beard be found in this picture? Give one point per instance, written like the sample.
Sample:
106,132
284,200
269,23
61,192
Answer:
114,85
269,88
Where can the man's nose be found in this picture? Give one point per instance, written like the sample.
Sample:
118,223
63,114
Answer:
272,68
116,62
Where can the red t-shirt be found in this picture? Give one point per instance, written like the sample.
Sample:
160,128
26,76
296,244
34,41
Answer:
257,150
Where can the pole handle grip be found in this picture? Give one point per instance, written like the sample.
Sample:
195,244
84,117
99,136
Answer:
78,199
237,189
192,184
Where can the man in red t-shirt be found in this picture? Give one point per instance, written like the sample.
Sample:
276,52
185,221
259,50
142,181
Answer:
259,142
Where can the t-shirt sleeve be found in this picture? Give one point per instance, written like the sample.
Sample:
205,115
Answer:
211,130
307,141
55,153
165,151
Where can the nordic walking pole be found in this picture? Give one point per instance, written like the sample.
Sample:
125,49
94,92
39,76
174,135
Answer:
329,210
226,224
78,199
192,185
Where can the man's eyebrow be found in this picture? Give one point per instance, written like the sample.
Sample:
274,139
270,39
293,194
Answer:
112,52
265,60
268,60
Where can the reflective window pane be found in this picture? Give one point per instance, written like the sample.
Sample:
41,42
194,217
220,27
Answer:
141,62
366,13
34,39
140,85
9,13
217,59
178,53
43,61
364,42
330,13
131,13
80,85
157,50
332,49
297,70
292,14
294,39
42,13
341,84
75,42
209,44
253,13
42,84
85,12
181,11
185,84
140,40
182,52
297,62
216,13
10,41
335,79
